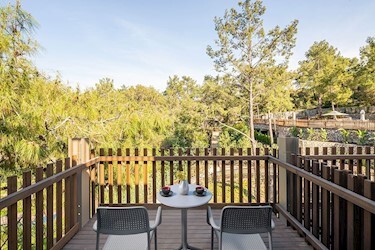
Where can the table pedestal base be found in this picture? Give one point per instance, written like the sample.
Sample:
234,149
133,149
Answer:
184,244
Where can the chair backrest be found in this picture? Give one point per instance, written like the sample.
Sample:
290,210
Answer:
246,219
122,220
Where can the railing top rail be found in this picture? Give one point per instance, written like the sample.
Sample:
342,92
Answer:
183,158
344,193
339,157
36,187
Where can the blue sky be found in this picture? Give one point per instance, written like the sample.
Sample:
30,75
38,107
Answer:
145,42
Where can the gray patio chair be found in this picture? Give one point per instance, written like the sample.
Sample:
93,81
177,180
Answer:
240,227
127,227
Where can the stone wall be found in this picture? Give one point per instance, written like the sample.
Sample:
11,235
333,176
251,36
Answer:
312,144
331,135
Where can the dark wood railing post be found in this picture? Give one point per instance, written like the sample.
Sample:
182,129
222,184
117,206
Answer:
215,175
257,167
355,214
145,178
154,188
136,176
315,201
326,208
306,197
59,203
50,236
12,215
39,207
299,191
26,213
340,212
369,218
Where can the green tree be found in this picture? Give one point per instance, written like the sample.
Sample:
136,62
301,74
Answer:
222,102
190,129
326,75
19,124
276,96
364,80
246,51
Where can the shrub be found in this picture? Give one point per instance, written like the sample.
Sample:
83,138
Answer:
362,134
265,139
345,135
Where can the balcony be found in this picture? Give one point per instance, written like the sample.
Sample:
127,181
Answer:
326,200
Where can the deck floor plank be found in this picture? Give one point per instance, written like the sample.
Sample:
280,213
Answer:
199,233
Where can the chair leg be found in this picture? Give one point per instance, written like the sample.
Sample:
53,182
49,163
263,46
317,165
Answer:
270,240
97,241
156,241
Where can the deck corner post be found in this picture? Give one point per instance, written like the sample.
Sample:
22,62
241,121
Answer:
80,148
287,147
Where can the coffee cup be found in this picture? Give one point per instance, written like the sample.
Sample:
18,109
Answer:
199,190
166,190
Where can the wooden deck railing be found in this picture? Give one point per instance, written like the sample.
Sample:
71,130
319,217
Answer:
330,207
333,124
234,177
44,214
322,199
358,160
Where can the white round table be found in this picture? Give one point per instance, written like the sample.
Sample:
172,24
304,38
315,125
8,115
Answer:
184,202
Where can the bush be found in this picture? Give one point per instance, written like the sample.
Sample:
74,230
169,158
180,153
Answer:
265,139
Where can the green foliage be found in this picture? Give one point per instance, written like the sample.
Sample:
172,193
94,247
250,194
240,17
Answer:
325,75
323,134
294,131
314,134
364,87
362,136
345,134
184,100
310,134
230,138
265,139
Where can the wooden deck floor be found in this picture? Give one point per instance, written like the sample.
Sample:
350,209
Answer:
169,233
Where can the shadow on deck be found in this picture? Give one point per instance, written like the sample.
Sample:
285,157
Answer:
169,232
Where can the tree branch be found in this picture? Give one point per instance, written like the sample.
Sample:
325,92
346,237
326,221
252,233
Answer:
230,127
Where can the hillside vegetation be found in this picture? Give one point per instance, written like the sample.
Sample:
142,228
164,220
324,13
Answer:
39,112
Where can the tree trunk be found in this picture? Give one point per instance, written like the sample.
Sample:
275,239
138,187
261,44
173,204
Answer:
320,106
251,120
270,127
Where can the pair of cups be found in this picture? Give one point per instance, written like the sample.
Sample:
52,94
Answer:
167,189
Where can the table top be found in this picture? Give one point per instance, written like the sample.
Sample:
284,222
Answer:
190,200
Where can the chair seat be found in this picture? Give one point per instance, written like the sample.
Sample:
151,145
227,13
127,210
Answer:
128,242
242,241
